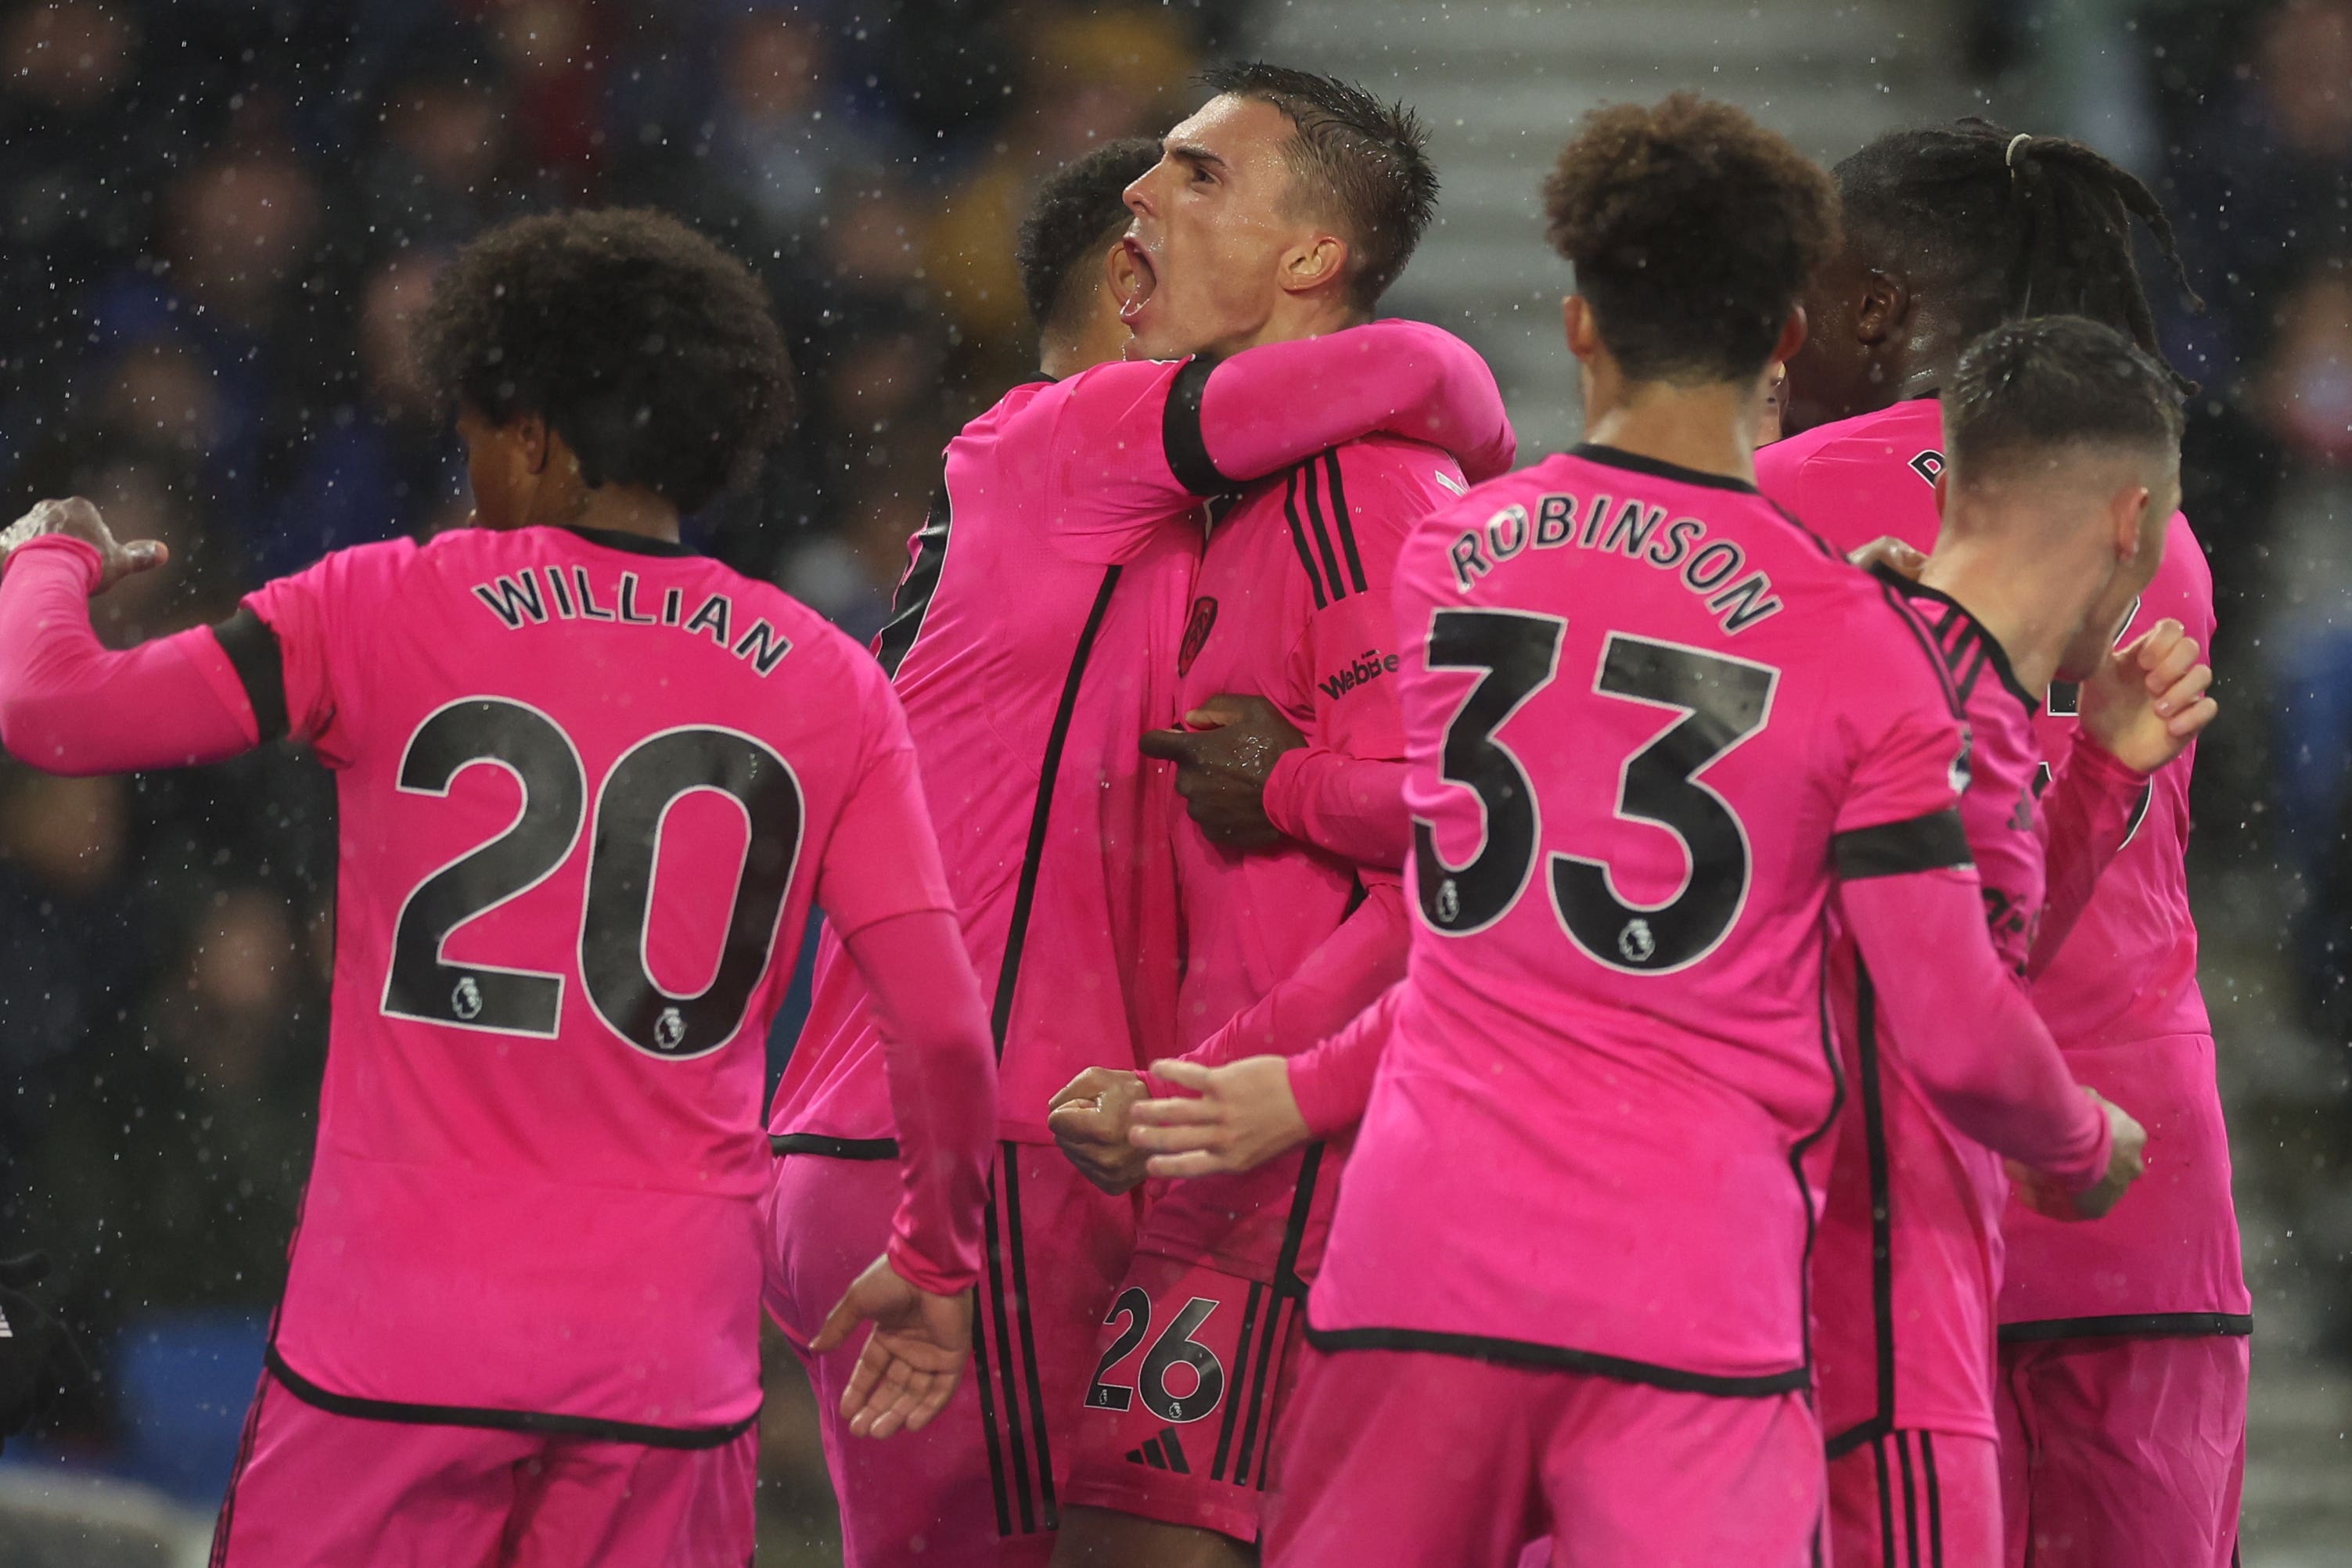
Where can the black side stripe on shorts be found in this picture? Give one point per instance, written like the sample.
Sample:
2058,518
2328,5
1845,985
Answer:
1886,1504
261,665
912,602
997,1309
1869,1093
1935,1500
1234,1407
1262,1378
1910,1497
549,1422
1935,842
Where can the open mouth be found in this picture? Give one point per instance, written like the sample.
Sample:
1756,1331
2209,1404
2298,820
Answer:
1145,282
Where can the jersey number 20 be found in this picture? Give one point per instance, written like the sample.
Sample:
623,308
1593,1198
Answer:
631,805
1723,701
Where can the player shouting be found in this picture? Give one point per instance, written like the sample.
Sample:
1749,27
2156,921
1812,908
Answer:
590,784
1281,211
1655,726
1027,674
2123,1353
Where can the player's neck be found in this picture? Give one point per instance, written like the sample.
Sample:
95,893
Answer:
626,508
1298,317
1709,428
2030,607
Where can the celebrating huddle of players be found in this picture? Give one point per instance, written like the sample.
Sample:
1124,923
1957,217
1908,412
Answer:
1373,1008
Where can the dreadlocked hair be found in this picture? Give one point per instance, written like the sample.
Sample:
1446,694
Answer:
2023,225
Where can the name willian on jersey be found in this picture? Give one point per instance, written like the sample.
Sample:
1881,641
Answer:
518,600
1638,531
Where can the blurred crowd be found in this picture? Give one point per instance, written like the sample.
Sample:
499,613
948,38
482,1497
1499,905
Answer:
219,216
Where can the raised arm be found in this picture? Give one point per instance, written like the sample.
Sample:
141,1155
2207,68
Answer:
1134,444
68,705
2140,710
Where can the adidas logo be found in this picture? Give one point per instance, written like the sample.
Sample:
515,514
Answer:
1161,1453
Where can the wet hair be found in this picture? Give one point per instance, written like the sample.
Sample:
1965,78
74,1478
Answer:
650,351
1693,231
2026,388
1080,209
2009,225
1364,163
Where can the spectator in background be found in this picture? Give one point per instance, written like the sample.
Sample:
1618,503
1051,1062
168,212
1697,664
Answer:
383,464
435,173
1088,76
71,194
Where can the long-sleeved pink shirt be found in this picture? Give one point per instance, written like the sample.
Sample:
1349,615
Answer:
589,787
1652,726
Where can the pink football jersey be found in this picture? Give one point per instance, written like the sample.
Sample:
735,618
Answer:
1642,706
1907,1261
589,786
1053,827
2121,996
1292,603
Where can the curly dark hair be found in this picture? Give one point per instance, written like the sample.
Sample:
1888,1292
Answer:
1368,161
2010,225
1080,209
2026,387
1693,231
650,351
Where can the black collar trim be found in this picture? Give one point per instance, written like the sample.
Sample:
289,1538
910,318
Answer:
1618,457
1993,650
634,544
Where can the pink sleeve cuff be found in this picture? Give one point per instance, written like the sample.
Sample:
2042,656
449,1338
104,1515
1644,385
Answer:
65,546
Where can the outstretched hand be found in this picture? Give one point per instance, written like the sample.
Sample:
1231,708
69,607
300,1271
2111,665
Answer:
75,518
1245,1115
907,1371
1222,760
2147,700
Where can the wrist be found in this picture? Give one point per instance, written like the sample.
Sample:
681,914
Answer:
925,1276
1280,798
64,547
1321,1107
2097,757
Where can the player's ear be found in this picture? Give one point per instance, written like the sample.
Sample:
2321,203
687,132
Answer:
1320,262
2128,511
1583,335
1792,338
1943,487
1886,303
531,436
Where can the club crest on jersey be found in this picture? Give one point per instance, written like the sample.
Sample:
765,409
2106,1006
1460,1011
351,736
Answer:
465,1001
669,1030
1196,633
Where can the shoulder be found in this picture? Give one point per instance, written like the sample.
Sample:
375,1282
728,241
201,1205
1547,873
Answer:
342,574
1386,484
